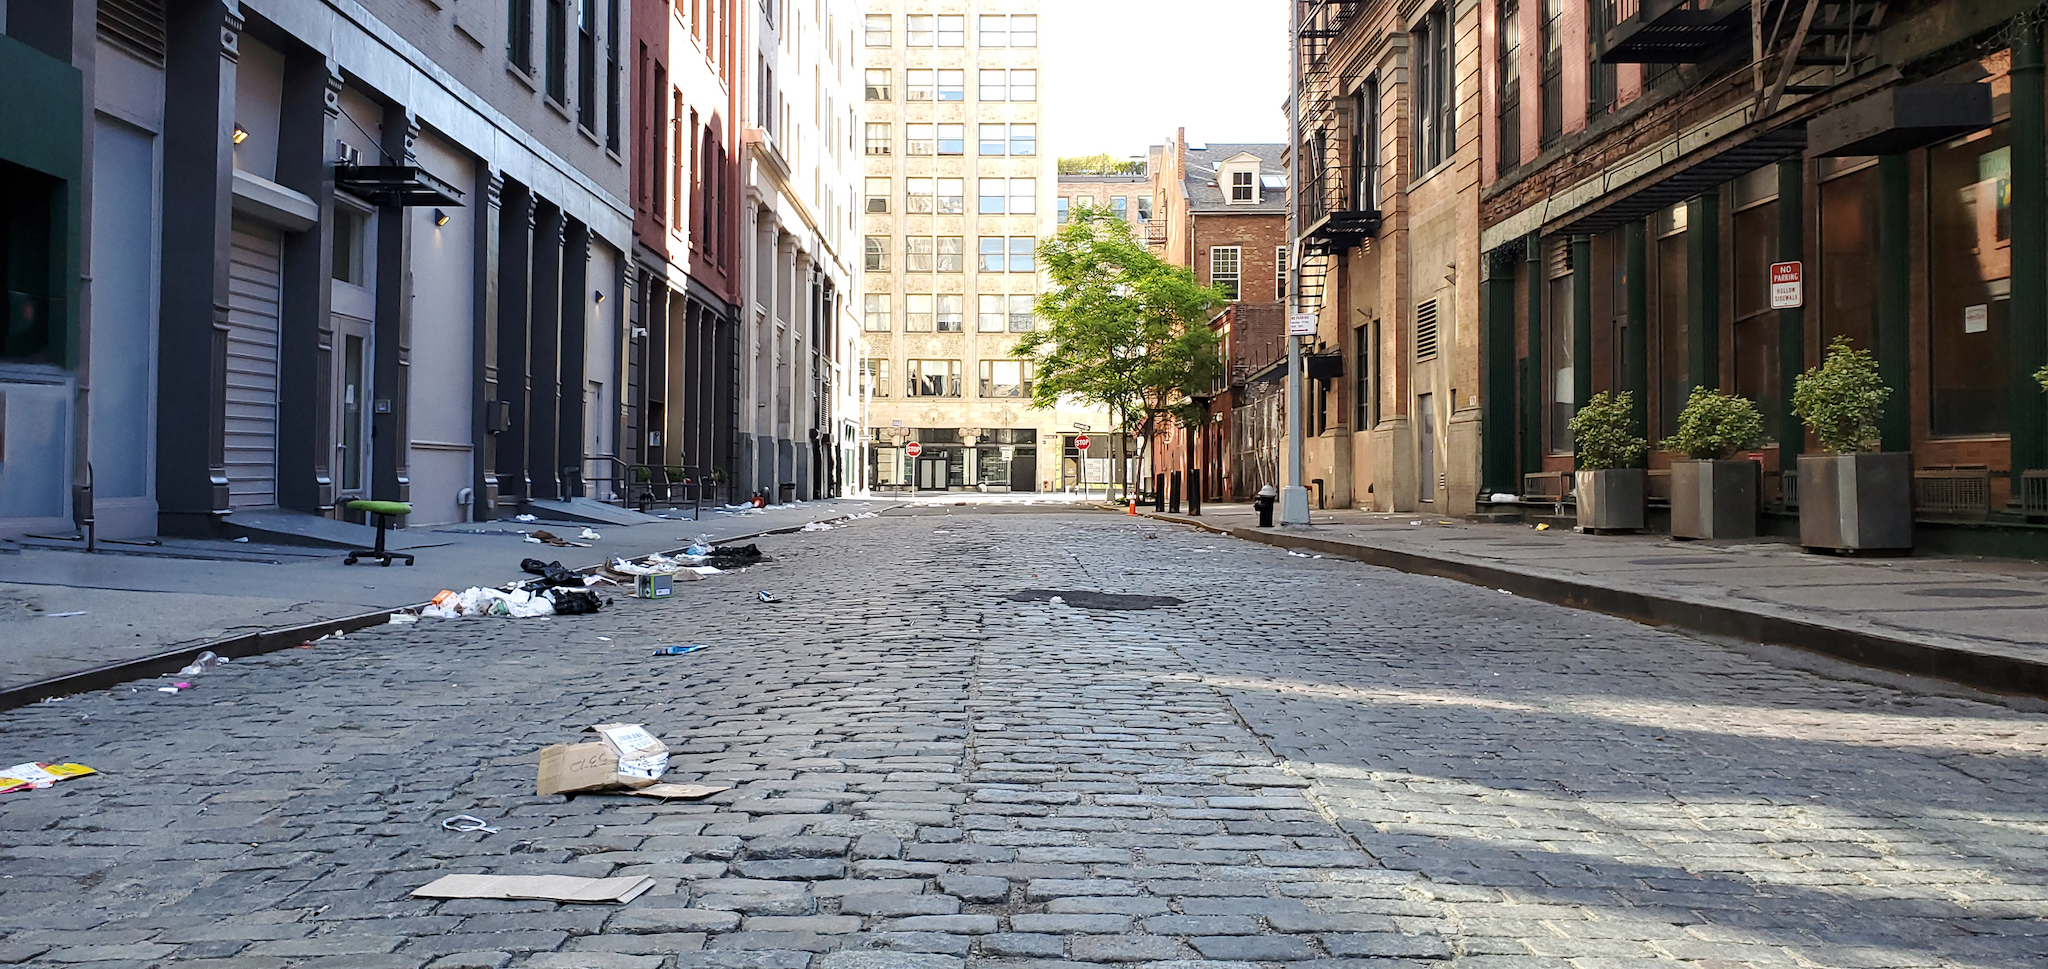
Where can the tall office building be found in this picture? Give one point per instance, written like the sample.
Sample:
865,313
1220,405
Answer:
957,194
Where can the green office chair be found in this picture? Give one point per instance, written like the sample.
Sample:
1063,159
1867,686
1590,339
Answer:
384,511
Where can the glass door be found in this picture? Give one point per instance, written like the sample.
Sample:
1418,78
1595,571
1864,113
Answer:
352,411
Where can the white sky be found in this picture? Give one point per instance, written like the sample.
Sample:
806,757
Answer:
1123,74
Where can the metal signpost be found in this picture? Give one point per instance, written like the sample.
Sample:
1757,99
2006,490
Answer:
1294,496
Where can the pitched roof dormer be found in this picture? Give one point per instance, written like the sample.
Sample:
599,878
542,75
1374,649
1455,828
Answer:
1237,177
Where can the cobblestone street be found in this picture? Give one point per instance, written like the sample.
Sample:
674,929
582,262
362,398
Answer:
1242,756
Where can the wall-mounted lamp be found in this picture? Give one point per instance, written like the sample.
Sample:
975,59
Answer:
440,217
599,294
241,134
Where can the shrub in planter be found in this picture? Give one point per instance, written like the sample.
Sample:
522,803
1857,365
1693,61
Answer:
1854,497
1609,491
1713,496
2041,376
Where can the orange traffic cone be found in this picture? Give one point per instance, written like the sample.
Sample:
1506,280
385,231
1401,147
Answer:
1132,508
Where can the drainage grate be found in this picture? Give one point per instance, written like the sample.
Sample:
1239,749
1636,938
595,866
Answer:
1971,592
1095,600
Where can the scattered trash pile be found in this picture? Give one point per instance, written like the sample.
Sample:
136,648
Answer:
826,526
558,592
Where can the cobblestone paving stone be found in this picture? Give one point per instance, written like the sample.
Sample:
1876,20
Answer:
1307,761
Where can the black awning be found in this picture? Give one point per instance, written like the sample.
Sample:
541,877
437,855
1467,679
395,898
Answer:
404,184
1899,119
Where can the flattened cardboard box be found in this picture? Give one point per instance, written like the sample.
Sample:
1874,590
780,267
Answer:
624,755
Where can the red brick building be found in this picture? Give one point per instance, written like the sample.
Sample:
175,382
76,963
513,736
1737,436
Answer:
1221,210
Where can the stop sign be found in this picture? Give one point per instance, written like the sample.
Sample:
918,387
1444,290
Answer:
913,449
1081,441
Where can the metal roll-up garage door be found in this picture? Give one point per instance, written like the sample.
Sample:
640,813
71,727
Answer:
254,272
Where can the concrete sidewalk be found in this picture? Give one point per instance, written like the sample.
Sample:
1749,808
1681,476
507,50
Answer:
128,604
1983,622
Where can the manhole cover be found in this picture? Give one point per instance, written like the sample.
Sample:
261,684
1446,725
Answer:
1696,560
1971,592
1095,600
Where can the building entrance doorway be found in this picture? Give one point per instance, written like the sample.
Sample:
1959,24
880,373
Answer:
353,384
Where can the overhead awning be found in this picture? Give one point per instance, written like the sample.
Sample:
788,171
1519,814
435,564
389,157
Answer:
1740,158
1899,119
404,184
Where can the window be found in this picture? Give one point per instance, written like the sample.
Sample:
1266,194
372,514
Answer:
519,34
1225,263
990,316
952,253
1365,148
1756,246
953,85
950,314
1601,79
1243,188
1021,320
1848,255
1023,254
612,115
917,196
917,313
917,254
1006,378
558,51
952,139
932,378
586,66
994,139
1062,206
992,254
990,195
1361,368
920,84
878,195
952,196
994,86
919,30
874,377
1023,196
1016,31
1279,273
1023,139
878,138
1510,93
875,312
952,30
1672,328
1969,257
1024,30
1120,206
878,30
918,139
1023,85
1144,208
878,83
1435,134
351,227
1562,312
1553,70
876,254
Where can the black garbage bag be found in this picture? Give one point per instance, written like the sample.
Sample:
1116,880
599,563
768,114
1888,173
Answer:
740,554
552,575
575,602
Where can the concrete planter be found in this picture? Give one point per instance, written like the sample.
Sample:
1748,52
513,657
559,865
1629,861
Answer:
1610,500
1853,502
1713,499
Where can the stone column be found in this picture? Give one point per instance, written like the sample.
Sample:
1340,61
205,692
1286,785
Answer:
390,447
515,376
305,386
1791,322
1497,376
2027,322
485,428
544,351
198,172
1894,328
577,300
1533,377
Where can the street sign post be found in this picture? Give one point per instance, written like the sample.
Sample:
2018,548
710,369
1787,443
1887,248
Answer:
913,449
1787,286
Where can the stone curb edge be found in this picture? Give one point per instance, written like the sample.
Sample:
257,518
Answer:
252,644
1984,671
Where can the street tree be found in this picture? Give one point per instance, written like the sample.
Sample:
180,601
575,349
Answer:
1123,329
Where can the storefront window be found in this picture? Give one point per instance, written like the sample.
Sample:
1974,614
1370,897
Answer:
1848,252
1560,321
1969,249
1756,247
1672,347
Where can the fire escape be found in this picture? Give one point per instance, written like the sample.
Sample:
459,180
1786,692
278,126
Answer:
1797,47
1336,205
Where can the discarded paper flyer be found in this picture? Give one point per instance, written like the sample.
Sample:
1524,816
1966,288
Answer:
553,888
682,792
35,776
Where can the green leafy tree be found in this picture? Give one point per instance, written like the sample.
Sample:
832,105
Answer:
1715,426
1602,432
1123,329
1842,399
1100,164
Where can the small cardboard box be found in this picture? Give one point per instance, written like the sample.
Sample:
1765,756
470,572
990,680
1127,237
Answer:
654,586
624,755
